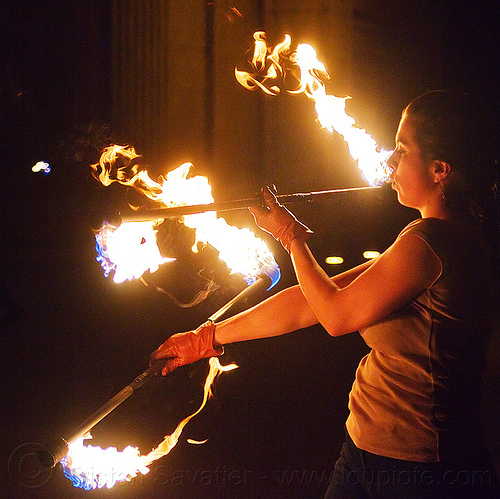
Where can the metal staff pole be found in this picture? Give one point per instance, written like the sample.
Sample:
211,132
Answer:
57,449
236,204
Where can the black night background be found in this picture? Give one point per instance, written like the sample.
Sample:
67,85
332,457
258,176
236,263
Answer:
159,75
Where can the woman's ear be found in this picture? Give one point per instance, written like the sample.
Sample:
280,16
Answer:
441,169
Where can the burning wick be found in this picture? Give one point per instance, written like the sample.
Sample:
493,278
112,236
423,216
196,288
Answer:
270,65
128,250
131,249
91,467
55,450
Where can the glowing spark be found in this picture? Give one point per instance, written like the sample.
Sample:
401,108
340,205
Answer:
41,166
196,442
330,109
232,14
91,467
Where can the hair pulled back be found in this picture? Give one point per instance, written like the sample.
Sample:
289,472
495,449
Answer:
452,127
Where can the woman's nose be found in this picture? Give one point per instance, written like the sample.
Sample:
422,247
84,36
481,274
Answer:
392,161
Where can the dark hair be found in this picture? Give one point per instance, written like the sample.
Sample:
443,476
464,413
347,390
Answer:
451,126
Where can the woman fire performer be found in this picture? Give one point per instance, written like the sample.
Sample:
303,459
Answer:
425,307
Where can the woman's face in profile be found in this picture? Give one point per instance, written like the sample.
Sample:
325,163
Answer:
412,176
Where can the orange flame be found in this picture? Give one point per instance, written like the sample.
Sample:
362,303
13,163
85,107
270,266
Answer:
171,440
91,467
111,168
267,64
270,64
240,249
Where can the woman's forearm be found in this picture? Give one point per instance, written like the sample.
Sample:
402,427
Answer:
320,291
280,314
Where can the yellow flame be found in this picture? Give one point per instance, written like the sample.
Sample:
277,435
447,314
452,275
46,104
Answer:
110,167
91,467
267,64
330,109
130,249
171,440
240,249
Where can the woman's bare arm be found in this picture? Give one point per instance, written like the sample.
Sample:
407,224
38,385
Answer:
282,313
400,274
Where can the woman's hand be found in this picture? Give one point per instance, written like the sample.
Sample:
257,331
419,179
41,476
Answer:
186,348
278,221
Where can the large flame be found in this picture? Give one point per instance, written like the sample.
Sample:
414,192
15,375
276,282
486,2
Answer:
270,67
131,249
128,250
91,467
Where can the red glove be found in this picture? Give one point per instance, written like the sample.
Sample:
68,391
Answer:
278,221
185,348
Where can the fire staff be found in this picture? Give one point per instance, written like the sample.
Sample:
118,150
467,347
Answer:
425,308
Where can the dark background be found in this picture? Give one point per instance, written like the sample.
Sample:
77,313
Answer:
72,338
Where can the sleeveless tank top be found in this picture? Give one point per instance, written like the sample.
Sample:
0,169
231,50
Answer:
416,395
